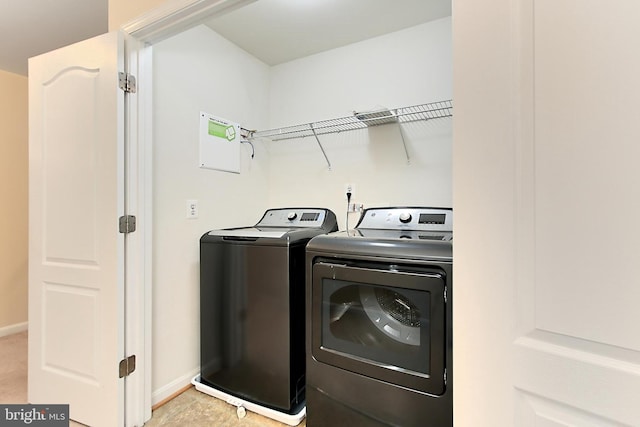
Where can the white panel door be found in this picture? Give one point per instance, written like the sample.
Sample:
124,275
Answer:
578,348
76,253
547,199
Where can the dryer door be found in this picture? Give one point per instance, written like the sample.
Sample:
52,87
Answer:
381,321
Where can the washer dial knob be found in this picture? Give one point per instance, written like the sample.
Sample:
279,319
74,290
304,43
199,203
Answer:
405,217
292,216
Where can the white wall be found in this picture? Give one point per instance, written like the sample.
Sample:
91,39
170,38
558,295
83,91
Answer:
407,67
404,68
196,71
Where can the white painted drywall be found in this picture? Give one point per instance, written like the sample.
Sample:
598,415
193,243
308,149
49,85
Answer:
404,68
196,71
407,67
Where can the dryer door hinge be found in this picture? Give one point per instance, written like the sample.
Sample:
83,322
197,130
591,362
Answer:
127,224
127,82
127,366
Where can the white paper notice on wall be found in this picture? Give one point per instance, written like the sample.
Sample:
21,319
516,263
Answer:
219,144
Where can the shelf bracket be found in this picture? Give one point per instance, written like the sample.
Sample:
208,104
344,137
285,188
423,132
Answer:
320,145
404,143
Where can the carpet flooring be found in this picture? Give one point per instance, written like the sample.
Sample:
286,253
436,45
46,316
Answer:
13,369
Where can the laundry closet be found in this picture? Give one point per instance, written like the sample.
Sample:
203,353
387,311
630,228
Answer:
199,71
546,126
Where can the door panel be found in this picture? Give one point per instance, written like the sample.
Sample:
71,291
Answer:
554,296
65,305
76,254
69,202
576,359
586,109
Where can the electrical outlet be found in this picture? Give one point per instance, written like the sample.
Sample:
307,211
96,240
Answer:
192,209
349,188
355,207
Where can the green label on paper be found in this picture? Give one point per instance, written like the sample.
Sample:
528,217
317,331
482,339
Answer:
222,130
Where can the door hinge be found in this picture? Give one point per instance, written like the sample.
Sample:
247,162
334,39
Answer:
127,82
445,294
445,377
127,224
127,366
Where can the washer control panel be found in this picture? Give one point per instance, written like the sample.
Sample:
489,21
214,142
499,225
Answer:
420,219
293,217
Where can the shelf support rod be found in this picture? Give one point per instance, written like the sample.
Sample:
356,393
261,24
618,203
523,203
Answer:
404,143
320,145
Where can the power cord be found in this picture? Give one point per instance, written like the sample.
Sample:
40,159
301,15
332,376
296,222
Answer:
253,150
348,203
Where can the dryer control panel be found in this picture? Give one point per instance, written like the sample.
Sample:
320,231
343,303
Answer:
410,218
296,217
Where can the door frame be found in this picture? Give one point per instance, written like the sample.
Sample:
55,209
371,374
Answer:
140,34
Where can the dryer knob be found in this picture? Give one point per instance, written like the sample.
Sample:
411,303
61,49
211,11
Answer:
292,216
405,217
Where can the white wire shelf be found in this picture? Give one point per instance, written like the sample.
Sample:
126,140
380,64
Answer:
434,110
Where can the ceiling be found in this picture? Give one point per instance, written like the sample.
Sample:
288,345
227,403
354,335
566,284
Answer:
277,31
273,31
31,27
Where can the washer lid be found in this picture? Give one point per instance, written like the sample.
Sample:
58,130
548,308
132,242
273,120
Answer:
281,226
263,235
251,232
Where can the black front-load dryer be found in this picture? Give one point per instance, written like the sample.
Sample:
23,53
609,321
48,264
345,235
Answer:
379,336
252,308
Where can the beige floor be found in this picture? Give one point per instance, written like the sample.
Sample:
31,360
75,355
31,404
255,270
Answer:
197,409
191,408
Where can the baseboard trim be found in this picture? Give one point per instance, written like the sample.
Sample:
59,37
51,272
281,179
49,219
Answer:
167,392
18,327
173,396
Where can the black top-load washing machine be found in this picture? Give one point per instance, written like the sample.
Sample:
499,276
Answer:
379,336
252,309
